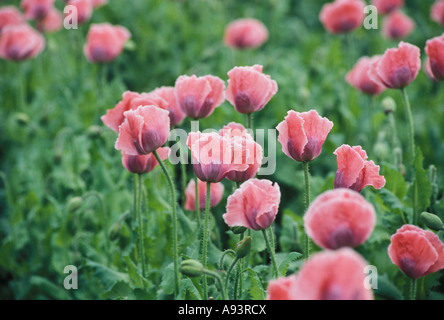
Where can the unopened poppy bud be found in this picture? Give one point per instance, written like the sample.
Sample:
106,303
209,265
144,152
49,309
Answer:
238,230
243,247
381,149
94,131
432,174
115,231
432,221
191,268
74,204
22,118
389,105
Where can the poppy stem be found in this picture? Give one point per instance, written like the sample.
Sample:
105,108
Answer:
410,123
370,107
236,260
250,121
218,280
271,251
412,151
138,206
307,203
196,200
413,289
205,237
174,222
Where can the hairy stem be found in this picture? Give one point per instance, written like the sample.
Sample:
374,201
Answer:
307,241
205,237
272,255
174,222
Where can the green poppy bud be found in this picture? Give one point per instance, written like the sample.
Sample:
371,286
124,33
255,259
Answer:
191,268
432,221
74,204
243,247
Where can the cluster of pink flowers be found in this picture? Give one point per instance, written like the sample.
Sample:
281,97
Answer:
19,41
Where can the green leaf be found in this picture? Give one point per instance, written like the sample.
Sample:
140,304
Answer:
43,285
421,184
288,239
395,182
256,291
136,279
285,263
167,283
188,290
107,276
386,289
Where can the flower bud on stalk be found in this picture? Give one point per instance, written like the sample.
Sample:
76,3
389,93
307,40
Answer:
243,247
191,268
74,204
389,105
432,221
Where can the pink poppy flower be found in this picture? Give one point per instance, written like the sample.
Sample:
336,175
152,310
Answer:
37,9
249,90
342,16
281,288
435,53
197,97
354,171
398,67
169,95
428,70
437,12
397,26
214,156
251,151
84,10
332,275
20,42
245,33
254,205
143,130
52,22
216,191
416,252
131,101
339,218
10,15
146,163
359,77
105,42
302,134
387,6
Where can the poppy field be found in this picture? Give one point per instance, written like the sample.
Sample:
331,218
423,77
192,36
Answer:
221,150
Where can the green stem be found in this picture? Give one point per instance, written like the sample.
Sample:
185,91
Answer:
413,289
238,281
412,152
372,130
250,121
410,123
140,222
205,237
196,201
307,204
229,271
219,281
272,255
174,222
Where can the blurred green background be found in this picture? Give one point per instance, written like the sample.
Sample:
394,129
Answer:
54,147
